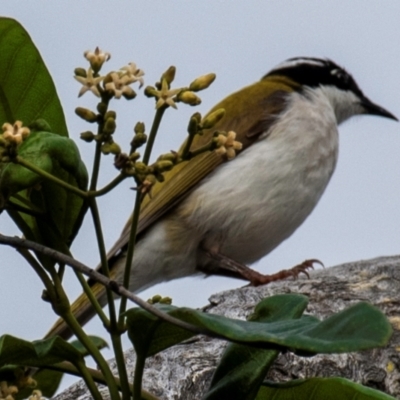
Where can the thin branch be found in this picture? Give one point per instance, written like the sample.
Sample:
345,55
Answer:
27,164
152,136
111,284
118,179
131,250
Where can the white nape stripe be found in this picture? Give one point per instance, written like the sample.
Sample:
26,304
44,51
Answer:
299,61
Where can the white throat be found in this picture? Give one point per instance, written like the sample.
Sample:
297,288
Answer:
256,201
344,102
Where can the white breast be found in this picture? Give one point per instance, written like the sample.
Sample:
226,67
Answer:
250,205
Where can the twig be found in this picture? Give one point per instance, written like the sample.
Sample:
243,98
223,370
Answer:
113,285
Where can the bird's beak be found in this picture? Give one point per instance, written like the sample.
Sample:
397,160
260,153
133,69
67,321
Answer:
373,109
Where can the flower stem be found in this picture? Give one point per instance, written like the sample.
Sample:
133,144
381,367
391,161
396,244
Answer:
114,330
130,252
92,299
137,380
94,351
121,366
87,377
103,257
97,193
152,136
96,166
27,164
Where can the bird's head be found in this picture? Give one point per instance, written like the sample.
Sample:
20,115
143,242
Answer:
340,88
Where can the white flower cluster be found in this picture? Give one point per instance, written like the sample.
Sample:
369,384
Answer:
116,82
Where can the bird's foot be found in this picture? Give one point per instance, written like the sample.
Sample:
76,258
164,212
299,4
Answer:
260,279
227,266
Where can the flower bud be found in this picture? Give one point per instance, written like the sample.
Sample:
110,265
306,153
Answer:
134,156
110,114
80,72
87,136
189,97
194,122
169,75
109,126
166,300
168,157
138,140
86,114
102,108
112,148
150,91
212,119
141,168
139,127
129,94
202,82
164,165
155,299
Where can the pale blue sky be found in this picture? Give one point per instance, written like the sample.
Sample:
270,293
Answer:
359,215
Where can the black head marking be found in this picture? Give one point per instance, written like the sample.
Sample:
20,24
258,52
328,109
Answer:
314,72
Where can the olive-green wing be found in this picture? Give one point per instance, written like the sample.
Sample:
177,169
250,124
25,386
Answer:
249,112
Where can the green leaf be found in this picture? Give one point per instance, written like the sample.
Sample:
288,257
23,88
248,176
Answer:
47,380
57,211
243,368
99,342
319,389
359,327
16,352
150,335
27,91
38,353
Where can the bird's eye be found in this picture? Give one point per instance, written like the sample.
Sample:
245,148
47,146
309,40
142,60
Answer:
341,75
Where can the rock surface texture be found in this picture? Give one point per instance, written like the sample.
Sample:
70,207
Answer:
184,371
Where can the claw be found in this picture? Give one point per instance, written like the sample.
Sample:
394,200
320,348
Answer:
314,261
302,268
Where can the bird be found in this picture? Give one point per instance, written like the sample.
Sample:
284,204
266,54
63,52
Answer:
244,208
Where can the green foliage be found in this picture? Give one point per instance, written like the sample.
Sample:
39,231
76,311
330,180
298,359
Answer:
243,368
99,342
359,327
318,389
276,325
41,354
27,91
17,352
57,212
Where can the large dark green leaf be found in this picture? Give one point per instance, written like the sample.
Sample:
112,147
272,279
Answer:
318,389
359,327
57,211
150,335
38,353
47,380
27,91
99,342
16,352
243,368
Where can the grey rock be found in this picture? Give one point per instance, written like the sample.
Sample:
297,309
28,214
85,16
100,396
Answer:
184,371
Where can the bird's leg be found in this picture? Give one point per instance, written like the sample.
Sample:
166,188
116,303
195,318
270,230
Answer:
227,266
